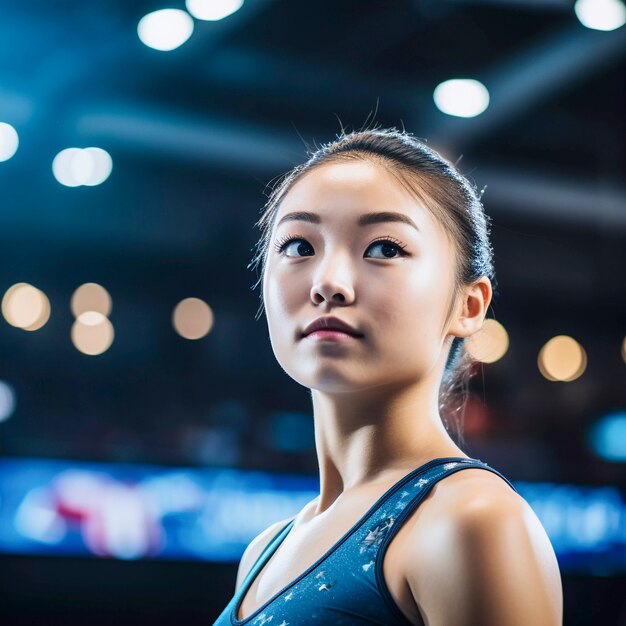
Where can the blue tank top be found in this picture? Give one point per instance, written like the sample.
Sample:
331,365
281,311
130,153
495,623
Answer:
346,585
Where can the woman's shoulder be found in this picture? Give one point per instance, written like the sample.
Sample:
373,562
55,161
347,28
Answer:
473,495
478,553
467,490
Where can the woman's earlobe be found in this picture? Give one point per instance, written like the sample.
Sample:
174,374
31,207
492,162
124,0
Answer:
466,326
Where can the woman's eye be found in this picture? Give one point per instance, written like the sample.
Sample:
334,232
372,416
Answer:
295,243
389,248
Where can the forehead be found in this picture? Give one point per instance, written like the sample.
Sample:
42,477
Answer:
349,188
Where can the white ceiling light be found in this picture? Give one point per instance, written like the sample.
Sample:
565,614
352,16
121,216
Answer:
75,166
601,14
463,97
165,29
95,168
8,141
213,9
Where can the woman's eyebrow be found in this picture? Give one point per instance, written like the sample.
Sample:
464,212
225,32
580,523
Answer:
364,220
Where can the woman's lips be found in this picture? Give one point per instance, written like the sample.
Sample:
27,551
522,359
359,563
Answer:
330,335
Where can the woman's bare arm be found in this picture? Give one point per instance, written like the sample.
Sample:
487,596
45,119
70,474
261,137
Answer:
491,563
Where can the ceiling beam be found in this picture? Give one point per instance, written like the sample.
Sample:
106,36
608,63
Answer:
228,142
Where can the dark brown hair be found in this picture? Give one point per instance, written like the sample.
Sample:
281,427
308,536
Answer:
453,201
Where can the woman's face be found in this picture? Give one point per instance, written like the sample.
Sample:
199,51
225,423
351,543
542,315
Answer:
396,298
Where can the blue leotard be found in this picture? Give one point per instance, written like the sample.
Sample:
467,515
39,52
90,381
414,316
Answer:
346,585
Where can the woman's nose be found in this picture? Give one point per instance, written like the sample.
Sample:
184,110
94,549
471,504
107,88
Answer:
333,282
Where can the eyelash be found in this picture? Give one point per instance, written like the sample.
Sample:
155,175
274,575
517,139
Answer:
283,242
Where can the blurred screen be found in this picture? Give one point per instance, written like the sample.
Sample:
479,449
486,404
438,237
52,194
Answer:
127,511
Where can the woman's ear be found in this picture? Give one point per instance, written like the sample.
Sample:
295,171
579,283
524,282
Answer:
472,307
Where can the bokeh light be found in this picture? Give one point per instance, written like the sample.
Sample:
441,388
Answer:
562,358
25,307
601,14
92,166
9,141
73,167
213,9
91,297
91,318
607,436
490,343
7,400
165,29
192,318
462,97
92,338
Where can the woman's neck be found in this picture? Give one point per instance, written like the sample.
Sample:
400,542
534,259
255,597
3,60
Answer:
375,435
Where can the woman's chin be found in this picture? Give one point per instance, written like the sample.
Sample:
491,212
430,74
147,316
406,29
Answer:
331,382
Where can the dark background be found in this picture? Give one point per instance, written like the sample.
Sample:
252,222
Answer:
196,135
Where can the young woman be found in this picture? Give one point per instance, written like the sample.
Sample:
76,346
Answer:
376,265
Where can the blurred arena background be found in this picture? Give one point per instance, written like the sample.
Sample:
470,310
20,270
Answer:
141,407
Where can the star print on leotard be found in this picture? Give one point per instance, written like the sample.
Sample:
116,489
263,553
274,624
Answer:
375,537
402,502
324,585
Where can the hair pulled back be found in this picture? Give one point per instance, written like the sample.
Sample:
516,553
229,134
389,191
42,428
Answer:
452,200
